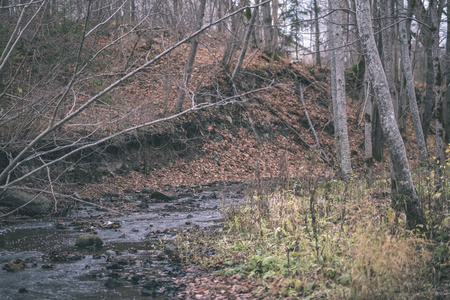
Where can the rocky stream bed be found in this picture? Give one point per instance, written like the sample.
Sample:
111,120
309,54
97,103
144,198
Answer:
39,258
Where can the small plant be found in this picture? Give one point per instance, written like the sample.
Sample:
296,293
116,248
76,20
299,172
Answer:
333,240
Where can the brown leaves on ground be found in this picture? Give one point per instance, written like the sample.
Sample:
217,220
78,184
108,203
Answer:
211,286
242,142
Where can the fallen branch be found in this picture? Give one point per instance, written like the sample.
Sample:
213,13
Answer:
75,197
286,123
299,92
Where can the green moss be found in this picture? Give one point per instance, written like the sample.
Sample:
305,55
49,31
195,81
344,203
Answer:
89,240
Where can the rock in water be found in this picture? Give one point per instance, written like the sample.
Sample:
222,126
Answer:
113,283
89,240
160,196
37,204
14,266
147,191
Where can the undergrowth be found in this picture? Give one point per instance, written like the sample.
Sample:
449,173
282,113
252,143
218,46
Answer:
333,240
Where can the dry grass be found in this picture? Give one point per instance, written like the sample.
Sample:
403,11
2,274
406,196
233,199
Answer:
332,240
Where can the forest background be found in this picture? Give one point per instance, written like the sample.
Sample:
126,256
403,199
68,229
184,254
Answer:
102,95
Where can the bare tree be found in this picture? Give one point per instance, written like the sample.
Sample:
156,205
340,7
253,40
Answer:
447,80
387,36
275,28
234,39
62,114
248,33
410,90
336,40
403,191
368,111
316,9
190,61
267,29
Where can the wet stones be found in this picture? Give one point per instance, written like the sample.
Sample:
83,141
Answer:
32,204
160,196
157,287
14,266
61,225
110,252
47,266
89,240
113,283
57,256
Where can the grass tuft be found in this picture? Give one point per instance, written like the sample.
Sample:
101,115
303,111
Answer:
336,240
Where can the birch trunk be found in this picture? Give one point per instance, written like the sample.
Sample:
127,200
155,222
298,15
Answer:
190,61
387,36
248,33
368,109
316,33
274,28
447,80
338,91
410,91
267,27
403,191
234,41
437,94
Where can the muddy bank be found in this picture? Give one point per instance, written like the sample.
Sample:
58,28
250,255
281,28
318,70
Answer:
135,260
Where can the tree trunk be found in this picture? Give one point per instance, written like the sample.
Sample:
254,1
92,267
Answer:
219,15
316,33
267,25
190,61
447,80
274,28
377,132
428,100
233,44
368,109
403,191
248,33
387,36
338,91
435,22
410,90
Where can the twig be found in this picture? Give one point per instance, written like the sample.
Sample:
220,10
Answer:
299,91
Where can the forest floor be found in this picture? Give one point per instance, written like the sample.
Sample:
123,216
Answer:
296,236
265,134
266,142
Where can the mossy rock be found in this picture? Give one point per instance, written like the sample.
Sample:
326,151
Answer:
14,266
89,240
160,196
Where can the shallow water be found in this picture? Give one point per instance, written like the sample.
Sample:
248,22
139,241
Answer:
128,270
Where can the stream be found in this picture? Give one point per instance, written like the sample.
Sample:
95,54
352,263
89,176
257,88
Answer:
39,259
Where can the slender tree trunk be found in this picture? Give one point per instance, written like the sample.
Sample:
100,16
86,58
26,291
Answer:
410,90
219,15
368,109
275,28
248,33
437,93
190,61
447,80
233,43
316,33
387,36
267,27
377,132
403,190
338,91
428,100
